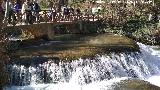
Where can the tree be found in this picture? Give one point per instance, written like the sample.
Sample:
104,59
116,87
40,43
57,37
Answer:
157,2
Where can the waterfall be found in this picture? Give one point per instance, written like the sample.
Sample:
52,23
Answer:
83,72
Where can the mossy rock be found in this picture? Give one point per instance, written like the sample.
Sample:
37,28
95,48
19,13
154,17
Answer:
12,46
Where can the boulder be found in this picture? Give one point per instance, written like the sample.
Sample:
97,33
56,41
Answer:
135,84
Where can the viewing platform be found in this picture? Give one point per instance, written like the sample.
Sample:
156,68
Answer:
46,25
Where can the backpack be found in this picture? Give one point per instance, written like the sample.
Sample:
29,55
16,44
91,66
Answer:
36,7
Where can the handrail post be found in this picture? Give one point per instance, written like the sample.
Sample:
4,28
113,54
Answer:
45,16
52,16
93,16
88,17
98,16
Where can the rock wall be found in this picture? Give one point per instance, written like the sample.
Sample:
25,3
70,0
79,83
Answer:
32,31
3,57
48,30
4,77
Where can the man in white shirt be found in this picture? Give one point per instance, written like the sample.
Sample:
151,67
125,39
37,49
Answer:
8,11
94,10
3,5
25,8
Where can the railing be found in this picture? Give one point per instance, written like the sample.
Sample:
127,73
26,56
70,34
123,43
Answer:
48,16
112,16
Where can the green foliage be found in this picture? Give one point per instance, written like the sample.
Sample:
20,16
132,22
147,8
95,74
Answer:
43,4
132,25
157,1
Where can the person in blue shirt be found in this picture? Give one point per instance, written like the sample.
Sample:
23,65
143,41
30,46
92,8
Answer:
17,6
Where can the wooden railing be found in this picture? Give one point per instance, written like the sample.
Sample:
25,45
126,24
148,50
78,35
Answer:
48,16
112,16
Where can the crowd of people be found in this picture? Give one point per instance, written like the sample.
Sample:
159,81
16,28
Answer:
29,10
12,10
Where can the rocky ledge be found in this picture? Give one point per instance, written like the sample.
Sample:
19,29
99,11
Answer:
74,46
135,84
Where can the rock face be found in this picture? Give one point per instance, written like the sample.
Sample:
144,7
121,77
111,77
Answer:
1,17
4,78
48,30
3,58
76,46
135,84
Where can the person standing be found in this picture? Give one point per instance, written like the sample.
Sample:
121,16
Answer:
1,14
50,8
36,10
8,12
17,6
3,6
25,12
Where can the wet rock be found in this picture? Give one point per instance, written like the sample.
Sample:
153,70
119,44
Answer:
28,61
135,84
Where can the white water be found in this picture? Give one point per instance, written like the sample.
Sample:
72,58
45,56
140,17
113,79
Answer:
99,73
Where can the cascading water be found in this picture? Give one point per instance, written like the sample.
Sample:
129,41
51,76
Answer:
78,74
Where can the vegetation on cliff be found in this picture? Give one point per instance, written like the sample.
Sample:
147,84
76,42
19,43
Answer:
139,30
